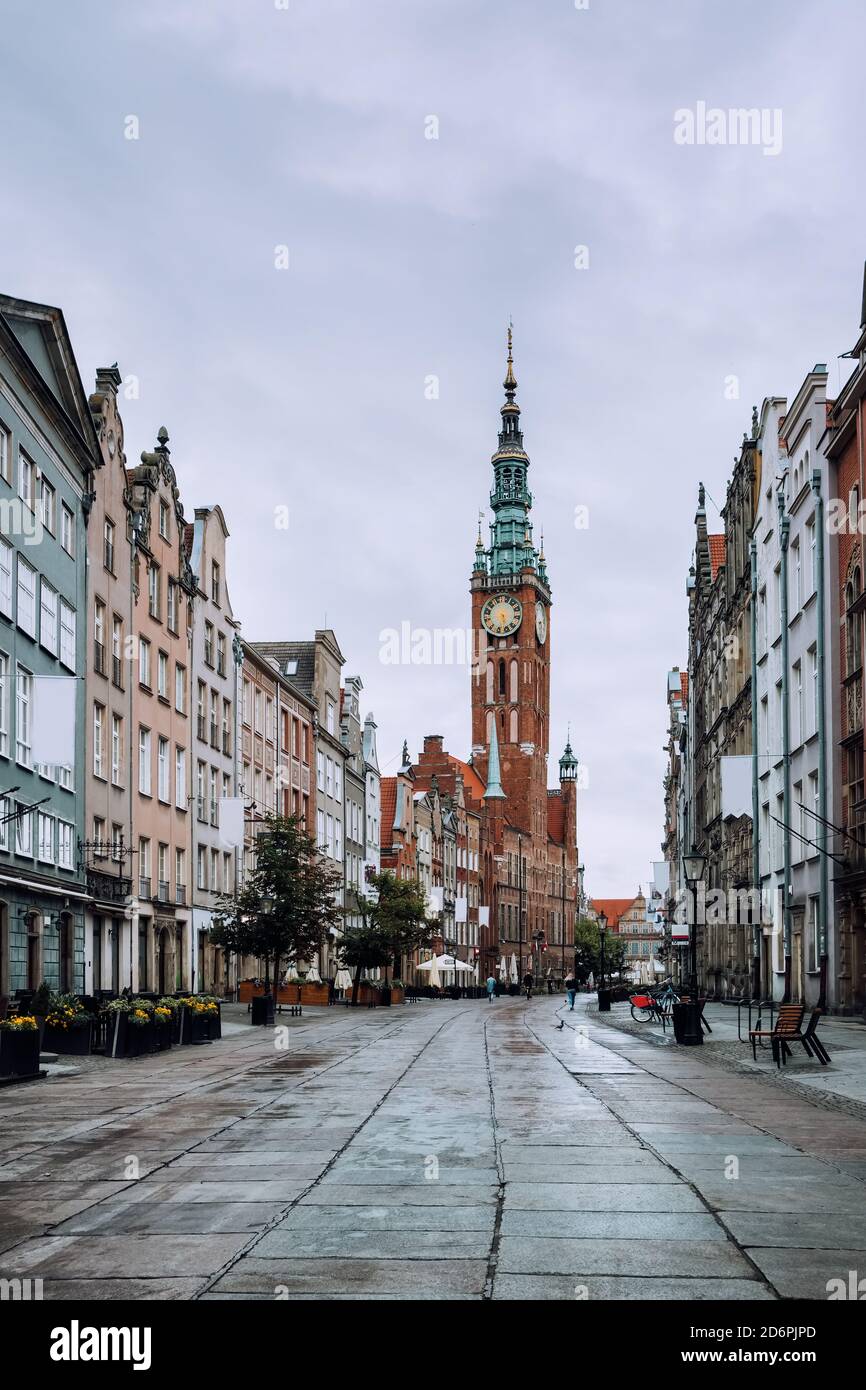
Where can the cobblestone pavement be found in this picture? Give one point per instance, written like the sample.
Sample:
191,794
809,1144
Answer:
439,1150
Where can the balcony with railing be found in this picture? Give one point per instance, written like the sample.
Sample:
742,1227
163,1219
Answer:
144,888
163,891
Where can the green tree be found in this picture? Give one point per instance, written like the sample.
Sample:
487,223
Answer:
393,924
587,951
288,901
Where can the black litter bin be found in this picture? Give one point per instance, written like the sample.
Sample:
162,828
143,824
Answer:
263,1009
604,1001
687,1024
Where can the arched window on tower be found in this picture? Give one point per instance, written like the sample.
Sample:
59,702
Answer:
512,727
490,682
489,728
502,678
513,681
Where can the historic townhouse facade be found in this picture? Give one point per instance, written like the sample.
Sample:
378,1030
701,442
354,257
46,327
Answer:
793,660
355,790
48,456
843,447
258,744
315,669
164,589
214,683
372,799
295,777
108,852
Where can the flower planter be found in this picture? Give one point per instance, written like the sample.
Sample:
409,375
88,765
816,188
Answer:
19,1052
398,994
71,1042
127,1039
162,1036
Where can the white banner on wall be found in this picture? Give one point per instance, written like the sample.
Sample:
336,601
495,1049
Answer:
460,912
737,785
52,720
231,821
484,916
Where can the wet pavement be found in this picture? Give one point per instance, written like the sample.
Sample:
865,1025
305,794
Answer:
439,1151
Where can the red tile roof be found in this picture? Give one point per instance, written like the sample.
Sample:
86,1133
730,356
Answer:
613,909
556,817
188,533
717,553
388,797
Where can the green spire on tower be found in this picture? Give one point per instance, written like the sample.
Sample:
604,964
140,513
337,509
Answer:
512,549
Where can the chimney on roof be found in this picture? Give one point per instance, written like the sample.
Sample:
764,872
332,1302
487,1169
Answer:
433,743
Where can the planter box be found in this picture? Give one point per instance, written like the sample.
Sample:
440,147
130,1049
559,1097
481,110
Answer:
398,995
19,1053
71,1042
126,1039
312,994
162,1036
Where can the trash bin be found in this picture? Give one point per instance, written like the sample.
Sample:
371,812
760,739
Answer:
262,1009
687,1024
604,1001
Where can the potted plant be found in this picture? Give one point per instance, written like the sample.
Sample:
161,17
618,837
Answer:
163,1026
201,1019
398,992
175,1013
68,1027
19,1045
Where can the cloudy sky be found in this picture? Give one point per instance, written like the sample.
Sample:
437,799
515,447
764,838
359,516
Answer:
305,124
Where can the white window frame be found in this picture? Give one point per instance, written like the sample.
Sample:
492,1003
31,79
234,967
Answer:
145,758
67,529
45,837
26,590
23,716
6,565
65,844
48,608
67,635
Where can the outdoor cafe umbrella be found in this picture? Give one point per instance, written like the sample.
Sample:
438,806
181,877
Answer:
433,968
342,979
503,970
313,976
291,975
514,979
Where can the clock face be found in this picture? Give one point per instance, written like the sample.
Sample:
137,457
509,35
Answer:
502,615
540,622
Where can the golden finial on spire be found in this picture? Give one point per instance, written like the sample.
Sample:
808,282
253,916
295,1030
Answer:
541,551
479,544
510,382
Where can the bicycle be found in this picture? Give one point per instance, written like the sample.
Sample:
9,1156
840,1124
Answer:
656,1005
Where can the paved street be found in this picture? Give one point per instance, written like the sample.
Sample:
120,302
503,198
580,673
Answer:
439,1150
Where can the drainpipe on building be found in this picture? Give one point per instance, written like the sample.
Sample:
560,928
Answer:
821,717
784,532
757,927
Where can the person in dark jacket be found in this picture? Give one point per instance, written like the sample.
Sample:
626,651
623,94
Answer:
527,984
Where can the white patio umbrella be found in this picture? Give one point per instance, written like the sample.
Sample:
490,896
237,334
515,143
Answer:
503,969
514,977
313,976
433,972
342,979
291,975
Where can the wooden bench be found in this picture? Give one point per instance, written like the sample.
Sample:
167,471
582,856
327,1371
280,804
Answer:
787,1029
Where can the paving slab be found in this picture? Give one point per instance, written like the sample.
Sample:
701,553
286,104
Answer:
557,1255
596,1288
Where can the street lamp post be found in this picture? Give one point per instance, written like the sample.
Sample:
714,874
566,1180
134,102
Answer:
691,1032
603,991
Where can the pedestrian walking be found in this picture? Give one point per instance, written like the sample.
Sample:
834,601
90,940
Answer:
491,987
571,991
527,984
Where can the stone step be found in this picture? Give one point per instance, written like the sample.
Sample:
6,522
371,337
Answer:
45,1057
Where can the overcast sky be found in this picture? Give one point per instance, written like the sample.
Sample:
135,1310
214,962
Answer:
261,126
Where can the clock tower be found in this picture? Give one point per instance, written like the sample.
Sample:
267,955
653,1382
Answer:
511,630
